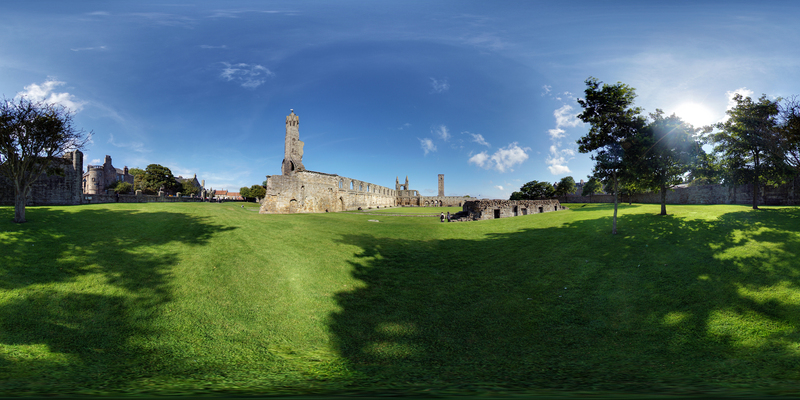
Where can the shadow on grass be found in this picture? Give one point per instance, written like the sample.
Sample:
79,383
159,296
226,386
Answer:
87,285
671,304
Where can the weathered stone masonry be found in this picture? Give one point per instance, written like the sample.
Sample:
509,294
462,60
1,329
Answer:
476,210
63,189
298,190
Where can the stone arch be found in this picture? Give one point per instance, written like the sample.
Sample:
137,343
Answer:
292,206
341,183
351,185
360,187
341,204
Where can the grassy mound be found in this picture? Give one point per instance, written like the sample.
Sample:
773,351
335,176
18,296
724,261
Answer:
215,298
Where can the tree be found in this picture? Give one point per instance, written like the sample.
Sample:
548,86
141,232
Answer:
591,187
138,175
666,151
749,144
32,136
565,186
156,177
258,191
123,187
188,188
789,130
534,190
614,122
244,192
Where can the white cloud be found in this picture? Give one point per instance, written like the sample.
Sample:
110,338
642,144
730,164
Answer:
134,146
89,48
478,138
404,126
46,93
564,117
557,160
207,46
97,161
503,159
248,75
547,89
745,92
427,145
439,86
499,187
479,159
442,132
556,133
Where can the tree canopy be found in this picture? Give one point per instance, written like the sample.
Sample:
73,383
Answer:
749,145
157,176
32,136
565,186
591,187
534,190
614,123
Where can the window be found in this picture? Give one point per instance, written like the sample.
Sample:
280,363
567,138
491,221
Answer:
360,187
341,184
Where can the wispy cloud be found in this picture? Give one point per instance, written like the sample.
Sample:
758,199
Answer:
547,89
745,92
502,160
477,138
133,146
89,48
166,19
207,46
248,75
439,86
427,145
404,126
238,13
558,158
442,132
46,92
99,13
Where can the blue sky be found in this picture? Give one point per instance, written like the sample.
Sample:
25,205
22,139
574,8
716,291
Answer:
483,92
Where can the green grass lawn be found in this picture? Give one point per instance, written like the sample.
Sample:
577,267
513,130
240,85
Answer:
216,298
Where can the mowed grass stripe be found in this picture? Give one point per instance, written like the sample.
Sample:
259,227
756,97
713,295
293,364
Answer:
180,298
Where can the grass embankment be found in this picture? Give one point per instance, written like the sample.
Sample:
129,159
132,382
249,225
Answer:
190,298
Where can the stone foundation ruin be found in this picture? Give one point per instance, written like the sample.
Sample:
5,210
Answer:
476,210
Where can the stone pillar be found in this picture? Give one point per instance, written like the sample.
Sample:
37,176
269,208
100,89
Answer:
441,185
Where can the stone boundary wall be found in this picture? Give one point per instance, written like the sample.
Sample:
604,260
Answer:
788,195
51,189
316,192
476,210
135,198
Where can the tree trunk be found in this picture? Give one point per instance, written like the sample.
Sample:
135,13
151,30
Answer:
19,205
616,196
663,199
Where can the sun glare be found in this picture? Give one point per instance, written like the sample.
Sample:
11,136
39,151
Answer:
695,114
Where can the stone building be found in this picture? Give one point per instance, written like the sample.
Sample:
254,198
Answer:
407,197
476,210
98,178
59,189
192,181
298,190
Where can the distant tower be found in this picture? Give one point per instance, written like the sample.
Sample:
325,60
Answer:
293,151
397,183
441,185
405,187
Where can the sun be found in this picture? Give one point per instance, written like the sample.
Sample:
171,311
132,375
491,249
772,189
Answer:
696,114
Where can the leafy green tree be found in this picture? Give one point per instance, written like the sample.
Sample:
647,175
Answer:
123,187
749,144
614,122
244,192
156,177
591,187
707,170
138,175
258,191
264,184
565,186
789,130
667,150
537,190
517,196
32,136
188,188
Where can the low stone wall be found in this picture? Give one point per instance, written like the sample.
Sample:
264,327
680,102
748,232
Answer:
476,210
317,192
788,195
135,198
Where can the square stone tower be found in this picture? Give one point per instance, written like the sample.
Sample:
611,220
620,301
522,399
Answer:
441,185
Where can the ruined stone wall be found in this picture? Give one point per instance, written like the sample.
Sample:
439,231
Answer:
443,201
314,192
788,194
476,210
51,189
136,198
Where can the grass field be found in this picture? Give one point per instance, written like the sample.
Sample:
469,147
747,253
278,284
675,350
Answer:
215,298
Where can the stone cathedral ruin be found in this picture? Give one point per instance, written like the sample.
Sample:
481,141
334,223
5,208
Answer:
298,190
